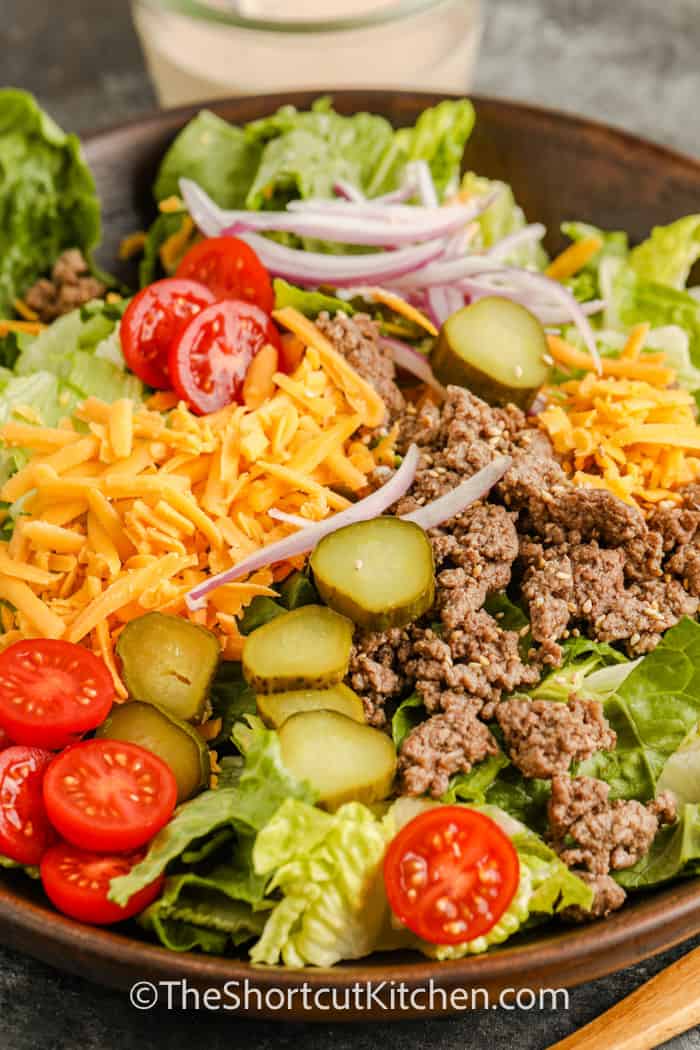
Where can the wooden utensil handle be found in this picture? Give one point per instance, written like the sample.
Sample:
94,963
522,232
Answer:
665,1006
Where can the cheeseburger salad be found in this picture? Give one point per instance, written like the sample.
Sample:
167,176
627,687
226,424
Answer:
350,568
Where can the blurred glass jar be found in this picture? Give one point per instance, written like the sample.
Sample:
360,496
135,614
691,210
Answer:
199,49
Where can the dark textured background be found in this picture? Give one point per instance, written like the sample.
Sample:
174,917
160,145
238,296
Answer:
631,62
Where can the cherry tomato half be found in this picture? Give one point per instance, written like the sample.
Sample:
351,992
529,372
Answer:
108,795
51,692
230,269
450,874
25,832
77,884
210,358
153,320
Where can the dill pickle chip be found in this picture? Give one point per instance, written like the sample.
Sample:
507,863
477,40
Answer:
276,708
379,573
497,349
305,649
343,760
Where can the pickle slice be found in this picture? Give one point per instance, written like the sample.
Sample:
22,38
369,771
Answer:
497,349
305,649
171,662
380,573
342,760
177,743
276,708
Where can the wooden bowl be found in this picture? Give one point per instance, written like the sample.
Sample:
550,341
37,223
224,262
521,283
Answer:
561,168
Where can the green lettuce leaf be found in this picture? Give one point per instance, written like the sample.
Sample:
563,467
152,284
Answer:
439,137
587,284
165,226
218,156
328,869
669,254
523,800
652,712
473,786
309,151
675,851
407,716
581,672
47,195
634,301
310,304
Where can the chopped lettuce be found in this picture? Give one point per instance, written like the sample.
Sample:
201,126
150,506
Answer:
310,304
259,790
581,672
587,283
652,712
47,195
231,700
407,716
681,773
328,869
333,906
669,254
193,909
674,852
473,786
523,800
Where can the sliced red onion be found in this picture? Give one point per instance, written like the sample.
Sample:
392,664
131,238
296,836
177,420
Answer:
448,272
404,356
350,229
346,190
535,232
451,505
290,547
455,502
438,306
545,288
314,268
291,519
420,171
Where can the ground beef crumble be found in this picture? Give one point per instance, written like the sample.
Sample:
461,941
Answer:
544,737
445,744
71,285
589,831
357,338
583,561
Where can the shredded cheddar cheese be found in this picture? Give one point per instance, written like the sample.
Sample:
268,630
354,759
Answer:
573,258
142,503
628,430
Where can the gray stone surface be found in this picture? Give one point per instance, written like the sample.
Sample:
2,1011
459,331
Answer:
630,62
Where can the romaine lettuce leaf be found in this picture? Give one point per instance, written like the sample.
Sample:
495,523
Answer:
439,137
231,699
580,670
47,195
668,255
473,786
407,716
310,304
309,151
219,156
328,868
674,852
586,285
652,712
